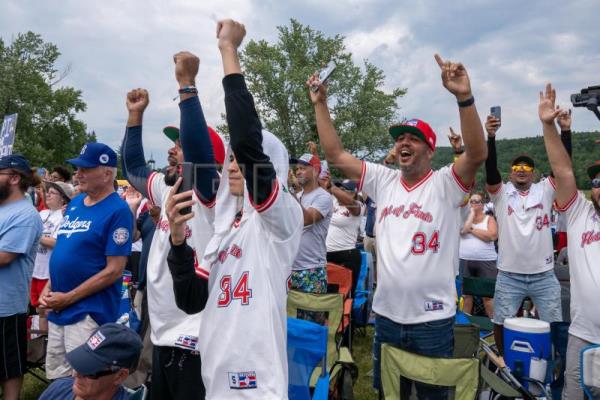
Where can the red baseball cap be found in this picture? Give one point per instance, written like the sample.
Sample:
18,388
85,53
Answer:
172,133
416,127
311,160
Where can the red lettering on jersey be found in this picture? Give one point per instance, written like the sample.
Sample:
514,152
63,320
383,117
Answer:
589,237
163,225
236,251
223,255
413,210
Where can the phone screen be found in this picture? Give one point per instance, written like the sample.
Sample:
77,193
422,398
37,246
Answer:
496,112
187,173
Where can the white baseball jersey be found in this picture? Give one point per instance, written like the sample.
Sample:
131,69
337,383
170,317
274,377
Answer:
343,228
524,234
243,339
169,325
51,220
583,231
417,242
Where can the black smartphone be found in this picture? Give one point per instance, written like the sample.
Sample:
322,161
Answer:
188,174
496,112
324,74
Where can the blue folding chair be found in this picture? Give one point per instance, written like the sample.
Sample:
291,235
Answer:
361,305
306,348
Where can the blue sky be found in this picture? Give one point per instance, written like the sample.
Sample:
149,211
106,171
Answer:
510,48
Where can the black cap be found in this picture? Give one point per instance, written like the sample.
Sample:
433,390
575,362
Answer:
594,170
523,158
16,162
112,346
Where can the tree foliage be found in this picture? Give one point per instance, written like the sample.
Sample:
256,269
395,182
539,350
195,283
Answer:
48,131
585,153
276,74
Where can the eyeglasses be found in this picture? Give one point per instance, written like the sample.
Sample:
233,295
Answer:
100,374
595,183
7,173
52,192
475,201
522,168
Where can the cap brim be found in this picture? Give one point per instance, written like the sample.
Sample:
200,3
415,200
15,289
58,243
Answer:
524,159
398,130
593,171
304,163
172,133
84,361
78,162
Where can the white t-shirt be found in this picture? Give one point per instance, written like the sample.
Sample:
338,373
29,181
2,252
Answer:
343,228
583,230
137,245
417,242
51,220
169,325
524,235
473,248
243,337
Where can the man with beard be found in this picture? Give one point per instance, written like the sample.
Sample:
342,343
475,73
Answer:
525,251
417,216
20,231
583,230
174,334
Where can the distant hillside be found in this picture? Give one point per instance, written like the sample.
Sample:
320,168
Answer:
585,153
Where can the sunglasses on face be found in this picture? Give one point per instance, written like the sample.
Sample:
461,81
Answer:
475,201
595,183
100,374
522,168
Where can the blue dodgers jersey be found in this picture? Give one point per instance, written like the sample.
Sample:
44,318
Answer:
85,238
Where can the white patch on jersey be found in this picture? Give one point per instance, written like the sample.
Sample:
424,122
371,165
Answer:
120,236
187,342
95,341
434,305
242,380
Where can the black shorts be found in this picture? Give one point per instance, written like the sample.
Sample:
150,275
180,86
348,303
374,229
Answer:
176,374
479,269
13,346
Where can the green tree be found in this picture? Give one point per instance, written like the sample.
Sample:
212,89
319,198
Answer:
48,131
276,75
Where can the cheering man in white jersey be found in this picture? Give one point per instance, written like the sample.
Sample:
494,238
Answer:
176,361
241,282
416,223
525,253
583,230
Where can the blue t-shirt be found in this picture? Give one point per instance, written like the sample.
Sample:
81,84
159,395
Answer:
20,231
62,389
371,212
87,235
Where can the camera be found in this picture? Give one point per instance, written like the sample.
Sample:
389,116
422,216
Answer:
588,98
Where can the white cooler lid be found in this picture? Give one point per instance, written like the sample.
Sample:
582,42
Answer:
527,325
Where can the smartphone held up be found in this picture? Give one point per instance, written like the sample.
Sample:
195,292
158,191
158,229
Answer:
187,172
496,112
324,75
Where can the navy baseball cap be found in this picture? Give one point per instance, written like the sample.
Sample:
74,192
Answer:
94,155
111,347
16,162
347,184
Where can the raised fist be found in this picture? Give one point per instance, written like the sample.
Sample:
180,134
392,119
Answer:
230,34
492,124
186,68
137,100
547,109
455,140
455,78
564,120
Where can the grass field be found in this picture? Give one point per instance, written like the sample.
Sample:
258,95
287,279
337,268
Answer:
363,390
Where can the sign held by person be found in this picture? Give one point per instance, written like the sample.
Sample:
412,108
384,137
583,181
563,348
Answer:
7,135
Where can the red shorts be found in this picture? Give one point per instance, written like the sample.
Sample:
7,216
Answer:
37,285
562,241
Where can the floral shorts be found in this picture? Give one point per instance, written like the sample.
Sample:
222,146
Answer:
310,280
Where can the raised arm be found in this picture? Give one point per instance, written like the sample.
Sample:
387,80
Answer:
193,134
564,121
133,162
245,129
331,144
493,179
456,80
560,162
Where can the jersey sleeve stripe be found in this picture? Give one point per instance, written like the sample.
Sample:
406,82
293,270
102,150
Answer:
568,205
363,170
209,204
149,183
201,272
551,180
465,188
270,200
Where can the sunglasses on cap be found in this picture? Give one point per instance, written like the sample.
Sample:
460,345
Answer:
595,183
522,168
